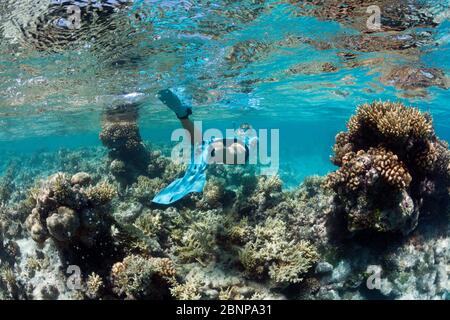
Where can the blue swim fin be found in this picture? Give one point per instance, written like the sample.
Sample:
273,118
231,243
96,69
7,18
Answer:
193,181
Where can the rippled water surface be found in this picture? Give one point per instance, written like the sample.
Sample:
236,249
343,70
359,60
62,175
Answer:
300,66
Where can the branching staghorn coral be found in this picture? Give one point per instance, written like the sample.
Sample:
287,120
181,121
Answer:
392,167
186,291
150,223
137,277
271,254
94,284
101,194
266,193
389,122
145,188
240,232
150,231
9,288
196,235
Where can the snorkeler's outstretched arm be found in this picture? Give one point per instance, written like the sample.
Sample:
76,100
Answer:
182,111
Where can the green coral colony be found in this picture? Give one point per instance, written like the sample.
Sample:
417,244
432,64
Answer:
244,237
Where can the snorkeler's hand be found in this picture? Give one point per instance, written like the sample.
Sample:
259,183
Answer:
174,103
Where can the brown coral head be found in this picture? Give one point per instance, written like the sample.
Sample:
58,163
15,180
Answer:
121,134
427,158
391,168
341,147
391,121
362,168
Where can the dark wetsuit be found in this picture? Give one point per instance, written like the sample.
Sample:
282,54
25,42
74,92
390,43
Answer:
227,142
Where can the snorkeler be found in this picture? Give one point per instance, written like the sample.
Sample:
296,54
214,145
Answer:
223,151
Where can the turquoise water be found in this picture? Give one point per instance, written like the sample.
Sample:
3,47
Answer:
54,97
76,184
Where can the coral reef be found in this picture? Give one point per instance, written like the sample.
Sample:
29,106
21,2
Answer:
271,253
256,195
245,237
137,277
8,283
145,188
94,284
6,184
196,235
1,235
91,230
120,134
70,214
186,291
392,168
131,162
214,191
